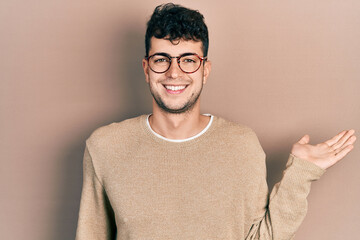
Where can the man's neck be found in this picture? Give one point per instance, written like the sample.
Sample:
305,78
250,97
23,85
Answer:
178,126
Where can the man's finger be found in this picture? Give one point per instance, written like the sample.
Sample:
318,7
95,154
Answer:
335,139
304,140
344,139
343,153
350,141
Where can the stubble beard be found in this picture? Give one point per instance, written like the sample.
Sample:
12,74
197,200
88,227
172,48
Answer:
188,106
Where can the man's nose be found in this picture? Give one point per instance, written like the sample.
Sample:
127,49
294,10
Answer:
174,70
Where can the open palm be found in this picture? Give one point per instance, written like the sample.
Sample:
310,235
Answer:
327,153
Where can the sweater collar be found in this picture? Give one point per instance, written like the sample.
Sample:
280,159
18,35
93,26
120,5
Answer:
180,140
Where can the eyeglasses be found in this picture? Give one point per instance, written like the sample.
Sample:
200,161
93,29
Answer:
188,62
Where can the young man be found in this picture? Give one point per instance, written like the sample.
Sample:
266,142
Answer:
179,174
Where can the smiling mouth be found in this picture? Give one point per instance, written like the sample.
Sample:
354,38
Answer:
175,89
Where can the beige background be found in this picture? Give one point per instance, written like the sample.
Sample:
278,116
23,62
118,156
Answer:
285,68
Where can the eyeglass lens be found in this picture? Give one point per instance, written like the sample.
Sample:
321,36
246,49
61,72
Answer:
187,63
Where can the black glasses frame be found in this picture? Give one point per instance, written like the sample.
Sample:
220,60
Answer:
178,61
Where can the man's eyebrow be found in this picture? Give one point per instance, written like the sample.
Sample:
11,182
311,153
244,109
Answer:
162,54
168,55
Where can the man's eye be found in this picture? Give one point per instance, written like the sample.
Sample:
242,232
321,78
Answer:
188,60
160,60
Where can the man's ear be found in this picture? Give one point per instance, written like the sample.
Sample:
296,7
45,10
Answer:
207,70
145,66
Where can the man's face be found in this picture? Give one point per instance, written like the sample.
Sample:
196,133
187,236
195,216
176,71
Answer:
175,91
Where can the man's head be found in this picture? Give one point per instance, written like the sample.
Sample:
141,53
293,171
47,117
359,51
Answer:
176,66
174,22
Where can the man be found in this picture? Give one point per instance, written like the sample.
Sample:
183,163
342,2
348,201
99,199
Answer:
179,174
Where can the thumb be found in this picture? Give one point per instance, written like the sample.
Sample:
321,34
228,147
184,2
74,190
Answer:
304,140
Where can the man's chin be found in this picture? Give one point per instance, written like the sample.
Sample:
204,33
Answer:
179,108
175,110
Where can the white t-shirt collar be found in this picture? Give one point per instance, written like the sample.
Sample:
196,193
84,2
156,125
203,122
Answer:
181,140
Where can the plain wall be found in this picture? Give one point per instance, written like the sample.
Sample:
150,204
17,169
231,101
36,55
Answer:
284,68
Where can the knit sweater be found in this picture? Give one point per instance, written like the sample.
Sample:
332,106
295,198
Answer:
137,186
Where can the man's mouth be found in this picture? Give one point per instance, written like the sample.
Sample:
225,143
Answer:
175,89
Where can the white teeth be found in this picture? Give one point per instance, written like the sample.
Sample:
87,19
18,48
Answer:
174,88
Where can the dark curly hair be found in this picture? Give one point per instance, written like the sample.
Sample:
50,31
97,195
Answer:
173,22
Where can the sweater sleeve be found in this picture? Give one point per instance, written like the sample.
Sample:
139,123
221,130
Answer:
96,217
282,213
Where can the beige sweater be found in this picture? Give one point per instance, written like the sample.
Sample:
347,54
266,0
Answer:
138,186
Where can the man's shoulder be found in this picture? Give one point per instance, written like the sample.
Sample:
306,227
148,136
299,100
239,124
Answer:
240,137
234,128
116,131
238,134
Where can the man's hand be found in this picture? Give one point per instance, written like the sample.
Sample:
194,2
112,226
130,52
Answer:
327,153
